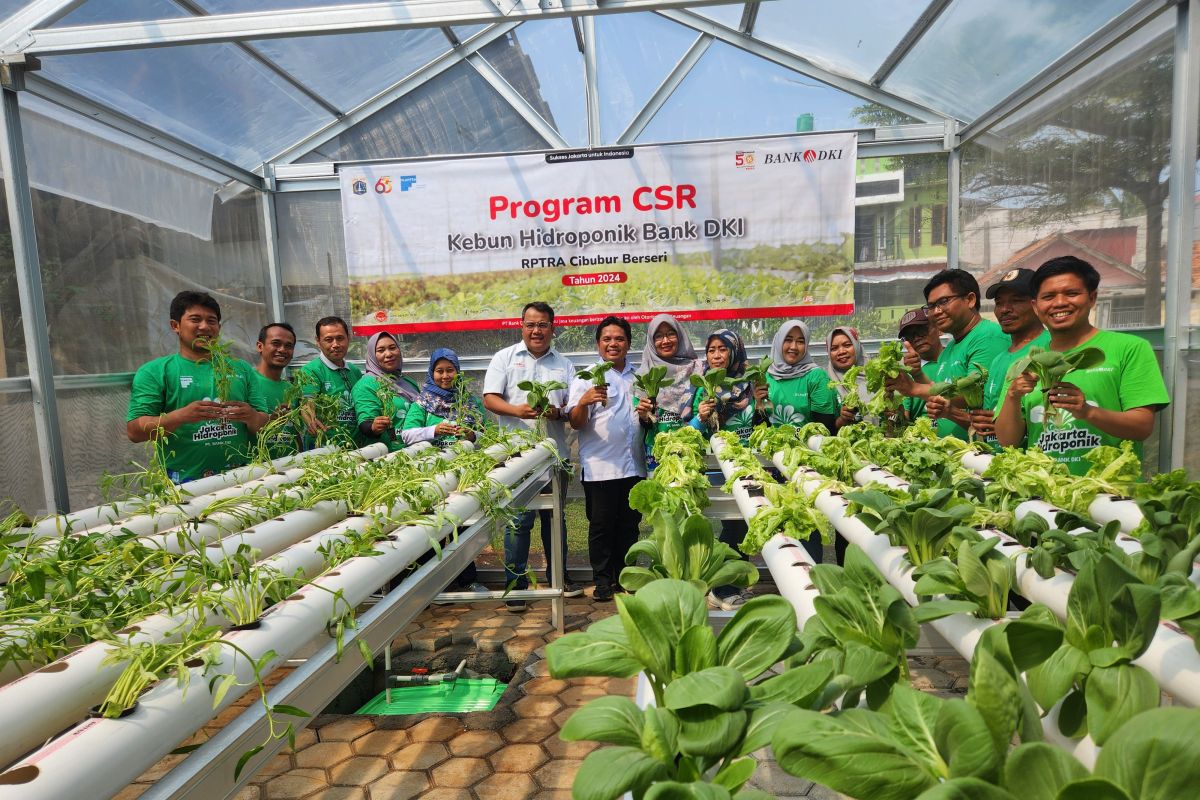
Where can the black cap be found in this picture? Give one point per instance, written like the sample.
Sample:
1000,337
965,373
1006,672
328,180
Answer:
1019,280
915,316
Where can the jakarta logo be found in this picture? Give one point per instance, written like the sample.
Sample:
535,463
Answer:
359,186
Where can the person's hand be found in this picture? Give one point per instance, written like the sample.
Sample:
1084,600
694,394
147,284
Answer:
380,424
526,411
552,413
1022,385
937,407
466,433
760,392
237,411
1069,397
644,409
445,428
912,359
594,395
983,421
707,408
848,415
902,383
199,411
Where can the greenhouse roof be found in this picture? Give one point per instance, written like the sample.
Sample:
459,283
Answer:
237,85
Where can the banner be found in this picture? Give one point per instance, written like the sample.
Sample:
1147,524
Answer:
711,230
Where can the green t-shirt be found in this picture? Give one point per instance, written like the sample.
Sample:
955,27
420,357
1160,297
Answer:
195,449
994,388
339,383
283,442
971,353
1128,378
794,401
368,406
741,422
418,417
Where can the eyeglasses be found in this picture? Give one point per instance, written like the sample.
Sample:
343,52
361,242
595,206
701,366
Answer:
536,326
658,337
941,303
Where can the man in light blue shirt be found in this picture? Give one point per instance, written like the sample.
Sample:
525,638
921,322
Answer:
531,359
611,455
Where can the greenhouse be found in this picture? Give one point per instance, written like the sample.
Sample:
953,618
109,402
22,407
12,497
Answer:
838,353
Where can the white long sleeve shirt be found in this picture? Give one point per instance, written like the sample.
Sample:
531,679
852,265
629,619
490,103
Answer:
610,445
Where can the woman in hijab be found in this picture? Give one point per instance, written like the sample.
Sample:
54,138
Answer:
382,396
735,410
846,351
444,411
797,388
667,345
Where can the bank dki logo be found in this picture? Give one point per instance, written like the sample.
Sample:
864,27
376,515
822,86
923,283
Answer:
359,186
383,186
744,159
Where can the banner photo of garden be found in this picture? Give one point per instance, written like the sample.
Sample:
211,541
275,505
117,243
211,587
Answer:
709,230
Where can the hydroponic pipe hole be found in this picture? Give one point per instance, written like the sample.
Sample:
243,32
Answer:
57,666
18,776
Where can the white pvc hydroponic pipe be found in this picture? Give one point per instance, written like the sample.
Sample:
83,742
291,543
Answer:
1105,508
106,755
977,462
790,566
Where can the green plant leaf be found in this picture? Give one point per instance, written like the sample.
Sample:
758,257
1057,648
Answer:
719,687
697,650
1038,771
696,790
966,789
1032,642
706,731
609,772
245,757
1155,756
1050,681
937,609
660,735
965,743
761,728
587,654
757,636
1072,715
1092,789
290,711
993,687
913,717
1135,615
800,686
612,719
634,578
1114,695
734,775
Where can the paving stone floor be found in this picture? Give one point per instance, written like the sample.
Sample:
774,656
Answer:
510,753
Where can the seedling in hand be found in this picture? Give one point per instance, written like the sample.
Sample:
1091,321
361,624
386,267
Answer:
716,385
1051,366
651,382
597,376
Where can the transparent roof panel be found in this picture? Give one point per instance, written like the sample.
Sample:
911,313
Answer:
9,7
854,41
214,96
729,16
757,97
978,51
634,53
456,112
542,62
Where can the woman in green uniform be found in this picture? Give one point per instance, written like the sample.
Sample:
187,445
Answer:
798,389
845,352
667,345
383,395
444,411
735,410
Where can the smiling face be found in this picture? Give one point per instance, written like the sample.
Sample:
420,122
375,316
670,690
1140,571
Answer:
387,353
1014,311
613,344
444,374
841,352
536,331
278,348
949,311
717,354
333,341
666,340
794,347
1063,303
197,323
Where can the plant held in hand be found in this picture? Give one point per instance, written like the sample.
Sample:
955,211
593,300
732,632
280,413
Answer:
1051,366
597,375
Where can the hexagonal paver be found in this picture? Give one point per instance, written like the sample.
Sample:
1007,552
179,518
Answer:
536,706
518,758
323,754
557,774
345,730
561,717
460,772
421,755
276,765
398,786
545,686
557,748
295,784
358,771
529,730
380,743
553,794
305,737
340,793
443,794
491,641
928,680
578,695
435,729
519,647
475,743
429,641
247,793
506,786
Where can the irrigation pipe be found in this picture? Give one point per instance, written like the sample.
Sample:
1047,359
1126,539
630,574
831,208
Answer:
106,755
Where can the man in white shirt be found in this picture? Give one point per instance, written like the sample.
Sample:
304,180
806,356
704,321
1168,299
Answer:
611,455
532,359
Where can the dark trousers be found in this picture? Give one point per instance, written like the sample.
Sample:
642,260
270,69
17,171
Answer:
612,526
516,538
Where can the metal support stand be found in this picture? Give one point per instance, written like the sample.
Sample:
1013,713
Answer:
557,554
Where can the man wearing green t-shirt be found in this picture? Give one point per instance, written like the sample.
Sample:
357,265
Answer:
922,347
276,346
175,398
332,375
1013,294
952,302
1106,404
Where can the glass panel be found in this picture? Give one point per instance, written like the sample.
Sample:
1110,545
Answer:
13,362
757,97
634,53
9,7
978,52
214,96
312,261
456,112
853,40
1084,174
108,450
729,16
109,279
19,456
543,63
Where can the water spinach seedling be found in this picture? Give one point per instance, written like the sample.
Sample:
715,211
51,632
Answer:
221,359
597,375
